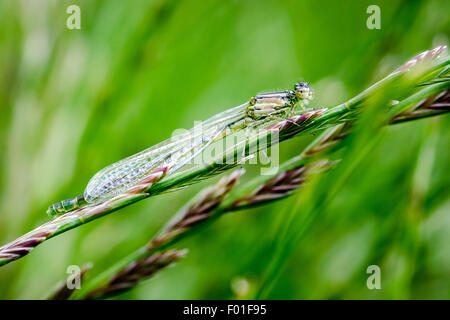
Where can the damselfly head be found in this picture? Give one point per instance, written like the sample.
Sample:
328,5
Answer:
303,91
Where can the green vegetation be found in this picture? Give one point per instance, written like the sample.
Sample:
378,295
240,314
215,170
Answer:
78,100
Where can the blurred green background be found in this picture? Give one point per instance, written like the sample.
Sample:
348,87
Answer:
74,101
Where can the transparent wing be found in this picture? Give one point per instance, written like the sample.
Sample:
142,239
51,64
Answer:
174,153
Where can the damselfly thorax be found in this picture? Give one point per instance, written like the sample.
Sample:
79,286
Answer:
177,151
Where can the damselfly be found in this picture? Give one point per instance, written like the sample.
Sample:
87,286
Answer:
177,151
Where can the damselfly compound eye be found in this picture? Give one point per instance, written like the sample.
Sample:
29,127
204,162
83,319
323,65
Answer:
303,91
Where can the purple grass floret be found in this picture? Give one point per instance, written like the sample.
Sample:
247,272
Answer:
135,272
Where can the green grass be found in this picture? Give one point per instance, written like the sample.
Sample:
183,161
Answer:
126,81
